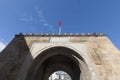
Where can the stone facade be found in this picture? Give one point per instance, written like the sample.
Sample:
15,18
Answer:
36,56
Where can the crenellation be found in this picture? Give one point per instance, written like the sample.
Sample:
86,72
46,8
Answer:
47,34
42,34
64,34
83,34
88,34
31,34
70,34
37,34
25,33
53,34
100,34
76,33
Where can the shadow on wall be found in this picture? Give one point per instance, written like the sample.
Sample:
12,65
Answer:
12,57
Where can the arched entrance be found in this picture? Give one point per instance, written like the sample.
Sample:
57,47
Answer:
53,59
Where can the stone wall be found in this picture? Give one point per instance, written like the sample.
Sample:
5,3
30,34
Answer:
97,50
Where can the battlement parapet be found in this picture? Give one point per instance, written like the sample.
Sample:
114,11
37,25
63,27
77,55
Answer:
57,34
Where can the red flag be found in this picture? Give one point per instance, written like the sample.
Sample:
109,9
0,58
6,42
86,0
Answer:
60,23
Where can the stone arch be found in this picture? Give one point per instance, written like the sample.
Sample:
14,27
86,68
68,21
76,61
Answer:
56,58
84,71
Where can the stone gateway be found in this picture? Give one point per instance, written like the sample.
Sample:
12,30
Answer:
37,56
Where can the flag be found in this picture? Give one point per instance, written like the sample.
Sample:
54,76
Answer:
60,23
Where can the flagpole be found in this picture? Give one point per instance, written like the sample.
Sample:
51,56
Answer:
60,29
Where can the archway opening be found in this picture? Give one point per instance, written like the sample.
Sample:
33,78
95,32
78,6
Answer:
52,60
60,75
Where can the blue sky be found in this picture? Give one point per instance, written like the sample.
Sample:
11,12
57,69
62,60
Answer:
42,16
